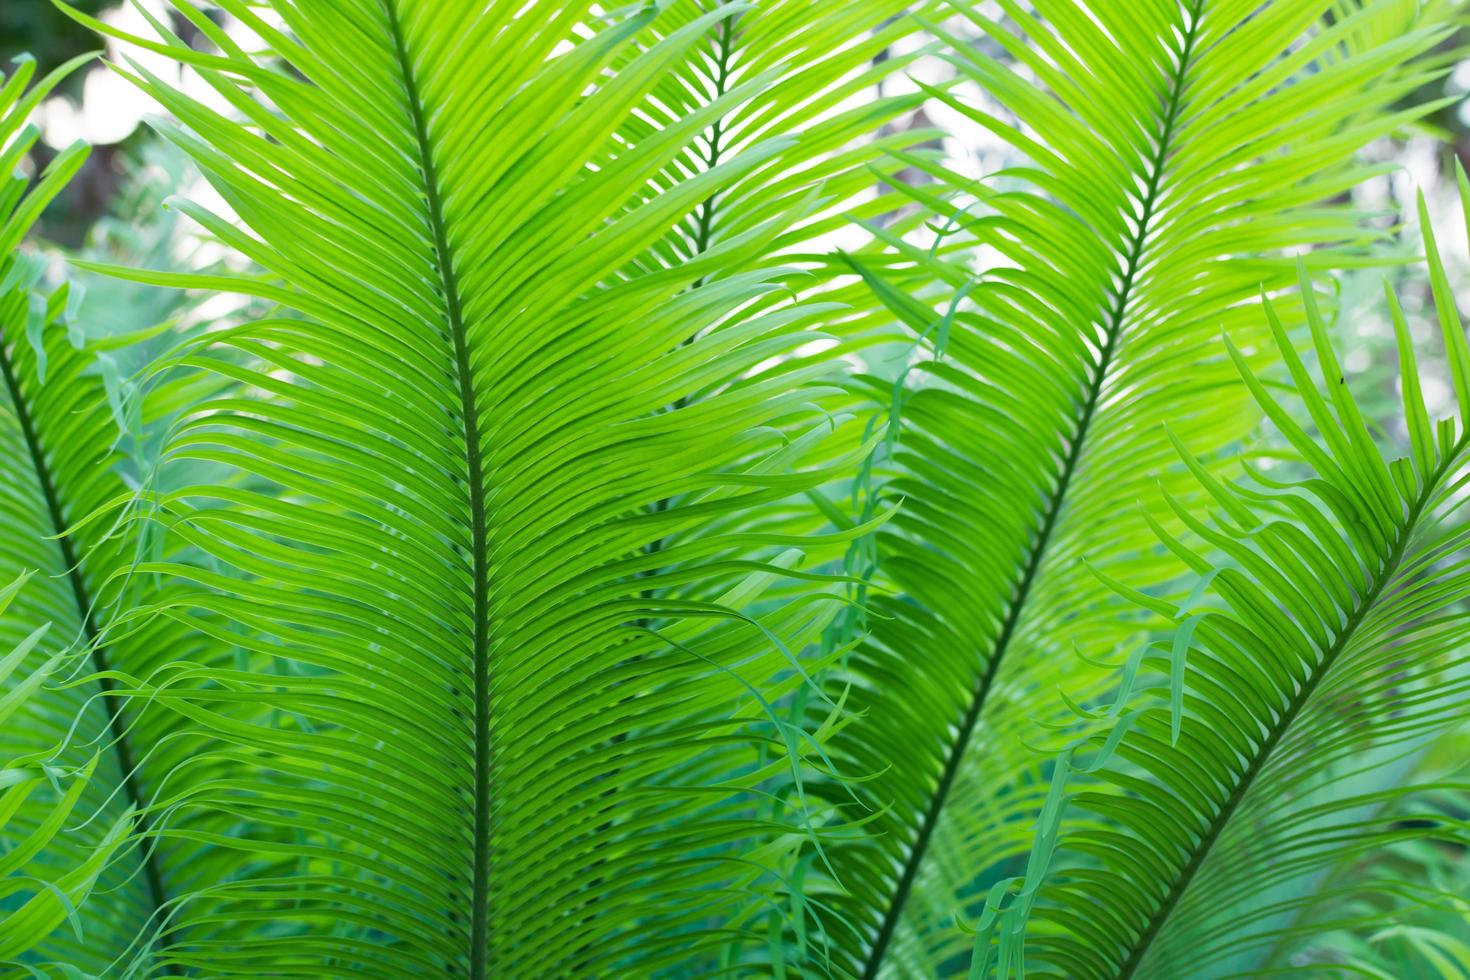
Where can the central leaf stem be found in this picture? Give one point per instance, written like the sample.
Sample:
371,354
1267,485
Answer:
475,480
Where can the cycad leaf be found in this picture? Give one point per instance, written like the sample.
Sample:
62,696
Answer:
35,893
1178,152
512,692
59,474
1331,647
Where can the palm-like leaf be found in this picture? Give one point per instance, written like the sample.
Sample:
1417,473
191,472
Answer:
1390,908
1329,641
507,699
818,66
1177,152
477,618
56,471
58,466
38,893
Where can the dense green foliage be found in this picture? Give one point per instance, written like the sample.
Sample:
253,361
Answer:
571,564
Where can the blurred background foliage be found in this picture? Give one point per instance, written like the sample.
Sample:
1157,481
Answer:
39,29
84,106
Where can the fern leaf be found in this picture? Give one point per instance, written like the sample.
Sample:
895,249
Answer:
1177,153
497,558
61,467
1329,647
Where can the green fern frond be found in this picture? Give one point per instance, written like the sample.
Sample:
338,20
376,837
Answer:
1178,154
1329,644
60,480
38,894
498,560
573,564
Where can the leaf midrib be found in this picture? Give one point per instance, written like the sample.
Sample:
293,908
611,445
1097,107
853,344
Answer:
1053,508
1288,716
122,747
474,476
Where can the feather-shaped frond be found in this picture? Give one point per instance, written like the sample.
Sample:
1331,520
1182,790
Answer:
495,561
820,68
37,891
1177,154
1327,643
60,466
1386,911
58,436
